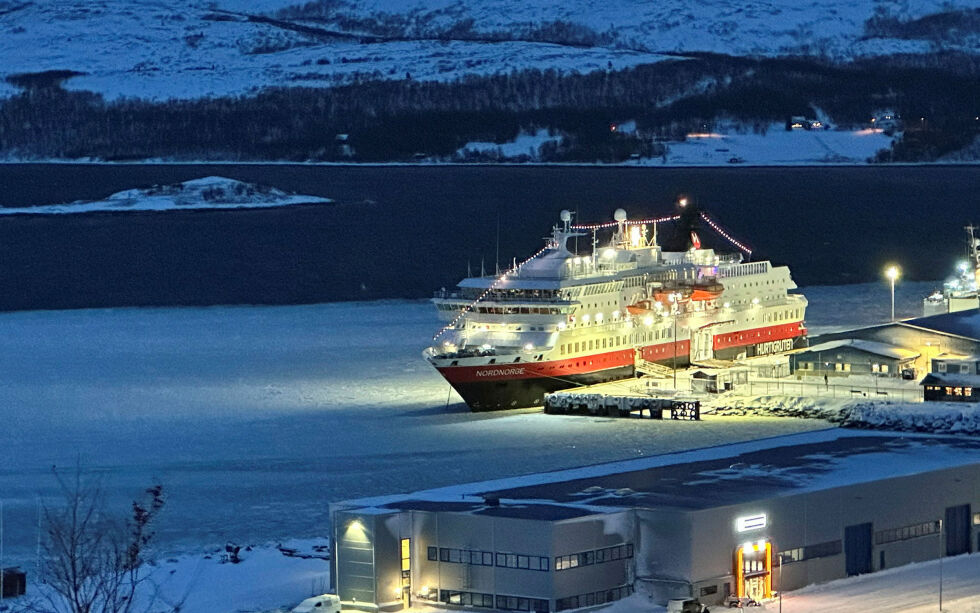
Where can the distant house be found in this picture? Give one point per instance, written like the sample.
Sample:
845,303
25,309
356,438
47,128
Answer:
885,121
623,127
951,387
852,356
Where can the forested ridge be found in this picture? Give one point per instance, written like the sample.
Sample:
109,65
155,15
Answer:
401,120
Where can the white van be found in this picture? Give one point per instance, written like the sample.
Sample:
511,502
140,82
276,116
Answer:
324,603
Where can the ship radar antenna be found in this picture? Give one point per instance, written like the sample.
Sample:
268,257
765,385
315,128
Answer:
620,217
566,218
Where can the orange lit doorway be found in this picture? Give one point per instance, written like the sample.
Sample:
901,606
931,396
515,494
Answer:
753,570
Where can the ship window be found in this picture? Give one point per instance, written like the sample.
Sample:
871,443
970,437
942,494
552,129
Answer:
561,350
590,345
576,348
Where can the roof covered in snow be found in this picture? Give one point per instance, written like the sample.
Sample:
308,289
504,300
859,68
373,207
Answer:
882,349
957,379
700,479
960,323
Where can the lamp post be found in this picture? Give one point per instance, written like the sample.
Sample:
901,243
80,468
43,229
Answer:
892,273
675,310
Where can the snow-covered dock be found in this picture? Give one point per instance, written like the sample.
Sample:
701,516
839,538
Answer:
639,398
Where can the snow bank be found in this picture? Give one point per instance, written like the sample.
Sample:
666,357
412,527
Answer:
933,417
204,193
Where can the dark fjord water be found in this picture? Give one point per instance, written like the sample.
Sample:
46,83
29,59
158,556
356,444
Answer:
402,232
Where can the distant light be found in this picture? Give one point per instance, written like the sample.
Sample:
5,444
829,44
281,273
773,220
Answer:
609,254
727,305
529,347
682,202
648,321
616,314
562,325
598,317
963,266
755,301
585,318
892,272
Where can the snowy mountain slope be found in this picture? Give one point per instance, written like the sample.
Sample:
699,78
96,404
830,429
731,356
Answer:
195,48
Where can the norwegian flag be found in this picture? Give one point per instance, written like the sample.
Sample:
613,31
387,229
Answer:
695,241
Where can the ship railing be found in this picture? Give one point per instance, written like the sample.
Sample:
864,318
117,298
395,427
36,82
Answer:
491,298
743,270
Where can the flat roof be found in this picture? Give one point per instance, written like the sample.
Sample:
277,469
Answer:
958,323
701,478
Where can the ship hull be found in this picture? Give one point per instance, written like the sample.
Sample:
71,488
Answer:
514,385
516,393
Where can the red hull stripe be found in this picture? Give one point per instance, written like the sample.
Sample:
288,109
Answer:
758,335
612,359
535,370
665,351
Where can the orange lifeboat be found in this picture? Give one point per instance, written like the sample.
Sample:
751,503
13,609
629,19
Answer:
640,308
707,291
662,295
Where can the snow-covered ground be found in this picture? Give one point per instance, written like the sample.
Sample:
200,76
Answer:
776,147
205,193
732,145
197,48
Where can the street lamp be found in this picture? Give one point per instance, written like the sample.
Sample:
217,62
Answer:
893,272
675,311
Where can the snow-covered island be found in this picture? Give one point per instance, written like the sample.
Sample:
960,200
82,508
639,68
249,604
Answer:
204,193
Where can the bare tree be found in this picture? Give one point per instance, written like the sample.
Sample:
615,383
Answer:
95,561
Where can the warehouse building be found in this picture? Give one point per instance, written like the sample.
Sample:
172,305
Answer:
746,519
852,357
928,337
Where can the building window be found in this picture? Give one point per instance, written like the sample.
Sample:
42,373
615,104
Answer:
433,553
906,532
521,603
809,552
709,590
524,562
592,598
596,556
472,599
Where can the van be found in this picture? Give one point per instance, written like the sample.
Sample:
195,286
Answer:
324,603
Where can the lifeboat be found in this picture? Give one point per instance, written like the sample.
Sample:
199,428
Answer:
707,291
641,307
662,295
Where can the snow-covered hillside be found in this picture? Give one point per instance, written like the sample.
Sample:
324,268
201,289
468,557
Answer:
205,193
194,48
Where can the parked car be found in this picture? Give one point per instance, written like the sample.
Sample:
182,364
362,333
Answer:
324,603
733,602
686,606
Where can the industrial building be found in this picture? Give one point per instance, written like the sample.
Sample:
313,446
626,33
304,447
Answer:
746,519
913,343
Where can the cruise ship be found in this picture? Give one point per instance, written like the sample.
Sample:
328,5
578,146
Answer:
562,319
959,293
